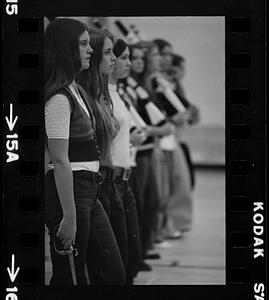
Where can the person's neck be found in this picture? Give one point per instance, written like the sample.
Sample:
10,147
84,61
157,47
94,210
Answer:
136,76
73,83
112,80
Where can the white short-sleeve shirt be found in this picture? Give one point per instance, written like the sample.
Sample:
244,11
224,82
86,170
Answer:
120,148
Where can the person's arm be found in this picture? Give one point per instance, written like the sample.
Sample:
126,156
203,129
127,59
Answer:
171,104
57,122
193,110
163,130
180,119
137,136
194,114
58,149
179,91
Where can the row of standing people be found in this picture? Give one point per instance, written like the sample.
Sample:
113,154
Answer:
103,206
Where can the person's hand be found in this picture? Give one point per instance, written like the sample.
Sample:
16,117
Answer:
180,118
168,128
194,114
163,83
193,109
67,231
149,130
138,136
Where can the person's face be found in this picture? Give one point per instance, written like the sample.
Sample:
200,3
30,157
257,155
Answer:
179,71
85,50
122,65
154,59
138,63
166,57
108,60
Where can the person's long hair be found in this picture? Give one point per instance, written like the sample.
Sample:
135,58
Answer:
96,86
161,44
137,76
62,57
145,78
147,47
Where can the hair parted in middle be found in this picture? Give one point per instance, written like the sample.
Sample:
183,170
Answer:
147,47
141,46
96,85
62,57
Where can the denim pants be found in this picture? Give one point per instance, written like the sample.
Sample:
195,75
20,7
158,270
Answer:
144,185
125,193
93,232
175,190
114,208
181,201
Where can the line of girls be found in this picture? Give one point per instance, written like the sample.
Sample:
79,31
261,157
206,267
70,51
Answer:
102,216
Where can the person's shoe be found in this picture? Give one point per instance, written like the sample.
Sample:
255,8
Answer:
163,244
152,256
175,235
144,267
158,240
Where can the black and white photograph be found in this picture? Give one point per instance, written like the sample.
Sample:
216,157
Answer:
134,114
134,150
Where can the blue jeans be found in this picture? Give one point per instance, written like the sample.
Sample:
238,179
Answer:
126,195
144,185
114,208
93,232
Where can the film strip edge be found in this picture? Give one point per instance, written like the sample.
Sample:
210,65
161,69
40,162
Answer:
23,139
246,176
23,148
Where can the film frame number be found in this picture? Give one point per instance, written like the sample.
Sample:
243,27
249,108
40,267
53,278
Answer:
12,143
12,7
12,272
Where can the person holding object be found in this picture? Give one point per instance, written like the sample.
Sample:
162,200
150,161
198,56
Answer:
176,75
169,156
95,82
143,179
102,63
173,73
73,212
121,158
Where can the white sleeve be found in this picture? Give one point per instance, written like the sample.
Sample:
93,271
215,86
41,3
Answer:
57,117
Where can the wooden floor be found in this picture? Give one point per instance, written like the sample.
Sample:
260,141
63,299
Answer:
199,257
207,144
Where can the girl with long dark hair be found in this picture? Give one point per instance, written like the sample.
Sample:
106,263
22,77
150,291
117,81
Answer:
102,63
75,217
95,82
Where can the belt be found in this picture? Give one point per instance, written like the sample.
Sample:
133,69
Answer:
122,173
94,176
107,173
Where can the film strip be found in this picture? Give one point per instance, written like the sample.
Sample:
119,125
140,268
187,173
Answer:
23,147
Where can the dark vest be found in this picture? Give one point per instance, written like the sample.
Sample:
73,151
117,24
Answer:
82,141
